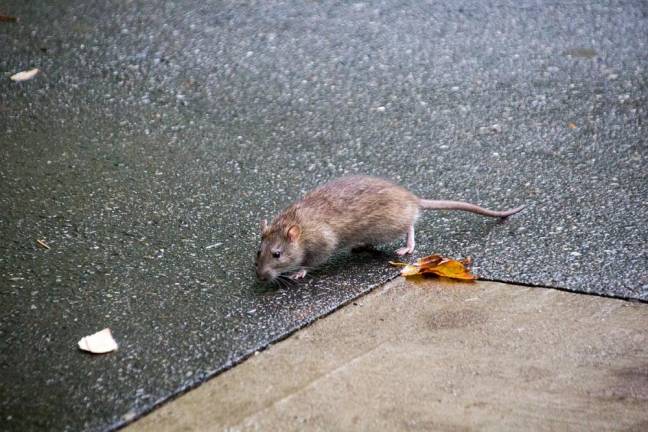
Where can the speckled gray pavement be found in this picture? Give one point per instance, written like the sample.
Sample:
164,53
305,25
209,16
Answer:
159,133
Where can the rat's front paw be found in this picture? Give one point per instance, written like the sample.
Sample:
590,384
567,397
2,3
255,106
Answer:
298,275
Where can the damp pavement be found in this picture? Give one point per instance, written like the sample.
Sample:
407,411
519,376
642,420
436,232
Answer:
157,135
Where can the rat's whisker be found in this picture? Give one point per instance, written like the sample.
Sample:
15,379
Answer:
288,281
279,283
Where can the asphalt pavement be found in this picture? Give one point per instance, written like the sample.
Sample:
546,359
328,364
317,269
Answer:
159,133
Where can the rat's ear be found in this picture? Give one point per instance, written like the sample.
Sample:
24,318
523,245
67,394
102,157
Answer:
293,233
264,225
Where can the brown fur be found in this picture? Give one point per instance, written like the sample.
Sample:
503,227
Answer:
344,213
347,212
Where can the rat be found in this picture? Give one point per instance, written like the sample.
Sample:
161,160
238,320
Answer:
349,212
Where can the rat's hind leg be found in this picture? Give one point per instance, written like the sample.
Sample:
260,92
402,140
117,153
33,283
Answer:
409,248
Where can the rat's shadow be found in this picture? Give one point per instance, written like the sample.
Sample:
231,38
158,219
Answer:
358,258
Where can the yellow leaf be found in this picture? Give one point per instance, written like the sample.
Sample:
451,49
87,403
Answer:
410,270
429,261
451,269
439,266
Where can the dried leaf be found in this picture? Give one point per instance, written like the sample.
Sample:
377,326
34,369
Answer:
24,75
571,125
466,261
410,270
439,266
99,343
451,269
8,18
429,261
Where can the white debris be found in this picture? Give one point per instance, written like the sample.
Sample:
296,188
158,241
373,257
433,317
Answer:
24,75
99,343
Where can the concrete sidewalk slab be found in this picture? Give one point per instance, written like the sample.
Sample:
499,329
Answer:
437,355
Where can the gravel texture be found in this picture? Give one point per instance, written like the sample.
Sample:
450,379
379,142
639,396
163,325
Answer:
159,133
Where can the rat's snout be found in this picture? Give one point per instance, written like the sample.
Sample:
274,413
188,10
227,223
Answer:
263,275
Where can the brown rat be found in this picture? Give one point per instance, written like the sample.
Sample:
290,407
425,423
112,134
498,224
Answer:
345,213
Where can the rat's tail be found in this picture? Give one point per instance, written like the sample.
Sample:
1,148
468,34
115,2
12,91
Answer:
459,205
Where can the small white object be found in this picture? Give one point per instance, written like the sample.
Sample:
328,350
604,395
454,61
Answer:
24,75
99,343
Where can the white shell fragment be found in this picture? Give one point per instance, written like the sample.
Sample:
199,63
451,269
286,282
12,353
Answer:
24,75
98,343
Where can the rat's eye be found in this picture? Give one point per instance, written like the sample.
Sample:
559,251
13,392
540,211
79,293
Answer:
276,254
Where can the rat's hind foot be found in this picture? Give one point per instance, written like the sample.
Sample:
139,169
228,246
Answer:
410,243
404,251
298,275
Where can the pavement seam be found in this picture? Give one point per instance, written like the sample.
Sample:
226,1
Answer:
383,287
567,290
308,385
212,375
